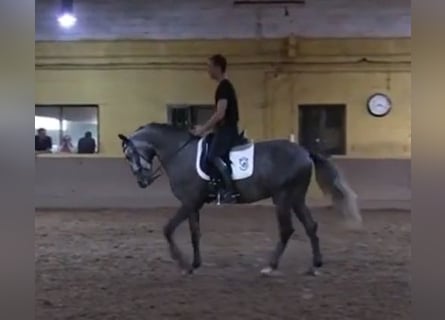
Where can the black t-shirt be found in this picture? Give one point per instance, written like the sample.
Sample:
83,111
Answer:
226,91
43,144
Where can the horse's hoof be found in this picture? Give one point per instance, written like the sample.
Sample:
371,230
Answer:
318,263
187,272
269,272
314,272
266,271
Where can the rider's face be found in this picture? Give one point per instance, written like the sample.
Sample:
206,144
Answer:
212,69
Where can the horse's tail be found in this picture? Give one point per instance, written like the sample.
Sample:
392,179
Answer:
332,183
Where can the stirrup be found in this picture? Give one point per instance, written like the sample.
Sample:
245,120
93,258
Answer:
230,197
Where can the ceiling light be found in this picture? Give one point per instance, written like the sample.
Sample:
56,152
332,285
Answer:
66,18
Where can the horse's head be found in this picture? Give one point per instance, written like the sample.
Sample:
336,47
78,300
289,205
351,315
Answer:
139,155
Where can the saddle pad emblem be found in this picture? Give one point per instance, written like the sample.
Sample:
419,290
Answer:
243,163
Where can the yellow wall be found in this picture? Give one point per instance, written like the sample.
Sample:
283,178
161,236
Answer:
132,81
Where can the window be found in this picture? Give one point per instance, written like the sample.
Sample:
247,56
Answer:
187,116
323,128
71,120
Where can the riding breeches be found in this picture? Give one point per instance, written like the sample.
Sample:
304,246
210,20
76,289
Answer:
223,140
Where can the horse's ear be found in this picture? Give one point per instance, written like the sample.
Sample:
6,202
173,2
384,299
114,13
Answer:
122,137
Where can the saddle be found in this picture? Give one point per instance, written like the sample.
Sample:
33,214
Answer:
240,142
239,159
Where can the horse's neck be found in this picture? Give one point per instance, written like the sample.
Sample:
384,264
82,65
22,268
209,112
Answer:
166,142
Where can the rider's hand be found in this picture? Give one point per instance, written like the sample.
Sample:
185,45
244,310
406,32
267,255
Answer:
198,130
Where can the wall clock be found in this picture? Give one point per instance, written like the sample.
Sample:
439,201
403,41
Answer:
379,105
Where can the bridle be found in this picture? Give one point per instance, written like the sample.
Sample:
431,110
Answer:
157,172
130,145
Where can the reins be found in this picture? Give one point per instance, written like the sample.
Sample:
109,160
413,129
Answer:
155,174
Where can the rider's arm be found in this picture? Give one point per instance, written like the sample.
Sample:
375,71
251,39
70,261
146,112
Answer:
221,107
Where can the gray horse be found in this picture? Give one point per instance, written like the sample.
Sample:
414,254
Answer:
282,171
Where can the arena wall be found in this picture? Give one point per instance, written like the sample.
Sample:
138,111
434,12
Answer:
106,183
133,81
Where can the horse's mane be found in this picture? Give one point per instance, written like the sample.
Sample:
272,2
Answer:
166,127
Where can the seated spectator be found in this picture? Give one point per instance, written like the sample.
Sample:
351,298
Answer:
86,144
43,143
66,146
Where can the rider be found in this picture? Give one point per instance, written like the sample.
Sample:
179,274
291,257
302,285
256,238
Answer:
224,123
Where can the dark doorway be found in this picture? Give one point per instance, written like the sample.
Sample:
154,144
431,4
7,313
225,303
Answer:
322,128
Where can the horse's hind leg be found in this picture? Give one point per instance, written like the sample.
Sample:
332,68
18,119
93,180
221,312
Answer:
305,217
283,212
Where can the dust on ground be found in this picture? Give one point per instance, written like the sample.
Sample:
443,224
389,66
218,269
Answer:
115,265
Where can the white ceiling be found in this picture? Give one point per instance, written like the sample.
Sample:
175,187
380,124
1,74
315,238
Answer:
187,19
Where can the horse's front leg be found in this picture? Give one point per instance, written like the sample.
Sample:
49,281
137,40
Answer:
195,234
182,214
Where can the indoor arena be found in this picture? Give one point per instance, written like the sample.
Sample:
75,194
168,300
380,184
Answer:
331,77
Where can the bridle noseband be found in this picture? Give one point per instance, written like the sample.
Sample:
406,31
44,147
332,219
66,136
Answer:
157,172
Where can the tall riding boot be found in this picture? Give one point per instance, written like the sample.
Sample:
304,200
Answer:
229,195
